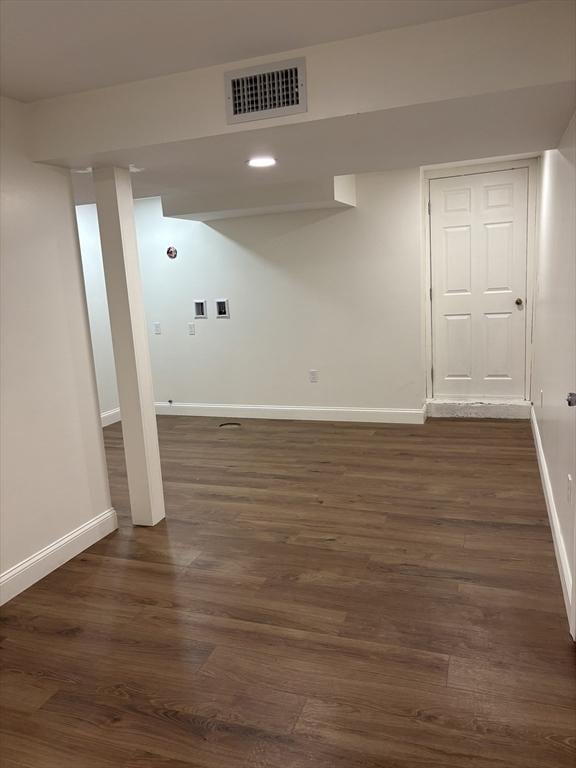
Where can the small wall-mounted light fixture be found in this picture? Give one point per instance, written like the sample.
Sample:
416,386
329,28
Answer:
200,309
222,309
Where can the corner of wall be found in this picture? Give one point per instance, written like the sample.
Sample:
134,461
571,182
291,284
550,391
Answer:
566,575
26,573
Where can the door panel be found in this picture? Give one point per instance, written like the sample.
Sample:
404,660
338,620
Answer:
499,239
498,350
458,334
457,260
478,251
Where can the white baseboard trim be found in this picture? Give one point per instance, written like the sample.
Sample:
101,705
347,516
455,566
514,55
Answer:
460,409
559,543
37,566
110,417
310,413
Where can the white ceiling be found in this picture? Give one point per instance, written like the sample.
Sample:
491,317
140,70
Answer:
528,120
54,47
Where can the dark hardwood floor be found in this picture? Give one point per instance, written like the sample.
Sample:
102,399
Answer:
320,596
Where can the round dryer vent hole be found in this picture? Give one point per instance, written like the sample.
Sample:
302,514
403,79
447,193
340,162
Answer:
230,425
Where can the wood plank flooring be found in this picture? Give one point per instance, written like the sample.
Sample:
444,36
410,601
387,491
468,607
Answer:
320,596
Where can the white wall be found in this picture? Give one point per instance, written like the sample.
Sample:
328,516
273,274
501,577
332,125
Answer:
98,311
338,292
55,498
554,366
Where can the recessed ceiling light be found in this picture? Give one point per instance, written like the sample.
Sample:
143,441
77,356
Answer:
264,161
88,169
134,169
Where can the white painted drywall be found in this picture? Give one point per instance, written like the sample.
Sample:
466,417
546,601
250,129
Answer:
233,202
98,309
337,292
509,48
54,482
554,362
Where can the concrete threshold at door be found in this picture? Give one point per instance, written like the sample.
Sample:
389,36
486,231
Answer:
478,409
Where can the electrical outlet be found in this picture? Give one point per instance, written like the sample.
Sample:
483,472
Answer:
157,328
313,376
191,329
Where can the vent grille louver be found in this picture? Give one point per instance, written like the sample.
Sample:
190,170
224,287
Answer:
270,90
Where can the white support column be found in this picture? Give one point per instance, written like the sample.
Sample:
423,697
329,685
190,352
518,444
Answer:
130,341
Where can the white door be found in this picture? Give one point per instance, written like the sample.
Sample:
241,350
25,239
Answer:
478,240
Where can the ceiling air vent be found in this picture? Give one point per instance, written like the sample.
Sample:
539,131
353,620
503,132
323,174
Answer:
270,90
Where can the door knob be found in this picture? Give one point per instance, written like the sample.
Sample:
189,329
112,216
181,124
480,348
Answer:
519,302
571,399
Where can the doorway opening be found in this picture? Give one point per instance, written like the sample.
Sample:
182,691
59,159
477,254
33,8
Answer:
480,237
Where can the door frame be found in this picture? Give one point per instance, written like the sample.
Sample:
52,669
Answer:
532,163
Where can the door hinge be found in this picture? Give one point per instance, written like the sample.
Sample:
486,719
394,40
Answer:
430,293
429,207
432,372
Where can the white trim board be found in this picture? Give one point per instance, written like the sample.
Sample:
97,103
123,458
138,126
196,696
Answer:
310,413
478,409
37,566
110,417
559,543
